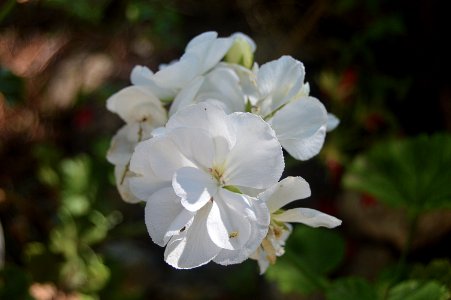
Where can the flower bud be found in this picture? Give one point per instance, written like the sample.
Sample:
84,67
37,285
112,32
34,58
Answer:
241,52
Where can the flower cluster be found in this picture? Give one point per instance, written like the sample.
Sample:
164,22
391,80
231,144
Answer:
208,168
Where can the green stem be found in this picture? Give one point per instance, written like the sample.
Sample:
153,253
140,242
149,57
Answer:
413,217
413,223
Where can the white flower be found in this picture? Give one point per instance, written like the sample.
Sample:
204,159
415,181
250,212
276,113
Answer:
138,104
299,120
201,55
221,84
142,112
276,91
277,196
192,174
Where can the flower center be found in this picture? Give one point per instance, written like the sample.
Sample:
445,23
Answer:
217,173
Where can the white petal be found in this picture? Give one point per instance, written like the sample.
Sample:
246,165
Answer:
206,37
164,156
182,222
259,228
196,145
256,160
279,81
137,104
223,84
240,35
210,118
301,127
122,176
192,247
178,74
142,75
228,223
284,192
146,181
194,187
187,95
307,216
121,147
332,122
162,208
209,52
142,187
206,116
247,81
263,262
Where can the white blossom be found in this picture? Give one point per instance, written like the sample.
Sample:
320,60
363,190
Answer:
193,173
142,112
276,91
276,197
201,55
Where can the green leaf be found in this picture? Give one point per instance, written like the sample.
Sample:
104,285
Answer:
76,173
232,188
351,288
412,173
439,270
310,254
98,231
11,86
14,283
416,290
85,10
77,205
289,278
320,250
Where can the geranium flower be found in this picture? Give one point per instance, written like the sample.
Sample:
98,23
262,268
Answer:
276,91
194,174
142,112
276,197
201,55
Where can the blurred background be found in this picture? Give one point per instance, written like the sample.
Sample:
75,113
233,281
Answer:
382,67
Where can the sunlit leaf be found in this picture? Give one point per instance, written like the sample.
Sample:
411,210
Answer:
98,231
76,174
77,204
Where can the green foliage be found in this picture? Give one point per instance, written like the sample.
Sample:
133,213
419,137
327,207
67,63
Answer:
351,288
85,10
413,173
14,283
438,270
161,14
77,191
416,290
80,225
310,254
11,86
